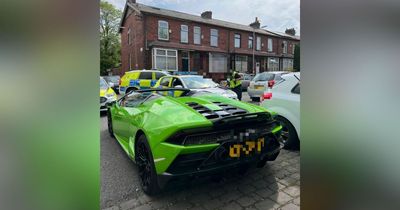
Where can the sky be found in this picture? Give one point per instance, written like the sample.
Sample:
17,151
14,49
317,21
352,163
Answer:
277,15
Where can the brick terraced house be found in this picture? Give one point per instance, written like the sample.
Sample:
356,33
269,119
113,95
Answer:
154,38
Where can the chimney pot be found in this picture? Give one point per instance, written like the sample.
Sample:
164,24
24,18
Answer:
206,15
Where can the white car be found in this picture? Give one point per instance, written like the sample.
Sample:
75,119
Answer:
284,99
263,82
196,83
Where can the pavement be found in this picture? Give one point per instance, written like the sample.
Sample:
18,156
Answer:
276,186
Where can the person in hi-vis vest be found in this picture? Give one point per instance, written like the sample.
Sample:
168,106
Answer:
235,84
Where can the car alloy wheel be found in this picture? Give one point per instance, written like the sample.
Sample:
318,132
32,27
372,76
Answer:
143,161
285,135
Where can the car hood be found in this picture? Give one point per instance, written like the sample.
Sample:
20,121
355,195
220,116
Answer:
189,111
104,91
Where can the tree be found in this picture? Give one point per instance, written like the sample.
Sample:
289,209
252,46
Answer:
110,43
296,62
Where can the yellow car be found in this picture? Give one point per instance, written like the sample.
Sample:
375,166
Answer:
139,79
107,94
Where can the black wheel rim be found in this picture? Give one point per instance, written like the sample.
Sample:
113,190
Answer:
143,162
285,135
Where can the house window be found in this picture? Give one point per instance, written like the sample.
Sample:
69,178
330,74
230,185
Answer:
258,45
284,45
241,63
287,64
237,40
184,33
130,61
129,37
293,48
163,32
270,45
197,35
218,63
214,38
250,44
273,64
165,59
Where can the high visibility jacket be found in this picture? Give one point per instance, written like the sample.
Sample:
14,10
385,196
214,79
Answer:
234,82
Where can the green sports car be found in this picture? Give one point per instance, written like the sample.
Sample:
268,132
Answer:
190,134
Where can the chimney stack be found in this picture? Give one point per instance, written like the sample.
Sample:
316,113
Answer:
206,15
290,31
256,24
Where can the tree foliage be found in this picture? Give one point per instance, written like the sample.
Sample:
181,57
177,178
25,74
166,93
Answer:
296,62
110,46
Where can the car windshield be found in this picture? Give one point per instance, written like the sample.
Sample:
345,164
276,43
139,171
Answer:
263,77
197,82
103,84
113,79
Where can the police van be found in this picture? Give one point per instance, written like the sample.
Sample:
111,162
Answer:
139,79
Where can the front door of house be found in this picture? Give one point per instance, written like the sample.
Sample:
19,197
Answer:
257,67
185,61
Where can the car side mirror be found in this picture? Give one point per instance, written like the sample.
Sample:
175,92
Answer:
111,84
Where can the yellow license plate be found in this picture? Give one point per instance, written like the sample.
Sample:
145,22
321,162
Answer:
258,87
246,149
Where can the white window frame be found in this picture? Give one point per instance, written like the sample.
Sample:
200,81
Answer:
285,47
130,61
185,31
154,58
129,37
159,29
196,34
270,45
293,48
234,40
211,37
252,42
258,44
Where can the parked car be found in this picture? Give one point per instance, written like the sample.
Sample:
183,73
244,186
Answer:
284,99
262,82
139,79
191,134
113,81
246,79
194,82
107,94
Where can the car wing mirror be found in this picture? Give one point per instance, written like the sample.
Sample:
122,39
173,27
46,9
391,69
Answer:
111,84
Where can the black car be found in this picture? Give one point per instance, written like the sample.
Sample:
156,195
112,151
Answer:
113,81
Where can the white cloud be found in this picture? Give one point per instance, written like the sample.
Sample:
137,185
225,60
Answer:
276,14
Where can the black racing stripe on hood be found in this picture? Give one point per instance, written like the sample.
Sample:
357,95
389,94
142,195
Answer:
225,111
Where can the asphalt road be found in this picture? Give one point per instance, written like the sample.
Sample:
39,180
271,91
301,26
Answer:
276,186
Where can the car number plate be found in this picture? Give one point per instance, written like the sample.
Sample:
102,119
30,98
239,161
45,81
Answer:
258,87
246,149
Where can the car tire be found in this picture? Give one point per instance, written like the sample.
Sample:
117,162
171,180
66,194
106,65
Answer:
255,99
109,124
289,136
147,170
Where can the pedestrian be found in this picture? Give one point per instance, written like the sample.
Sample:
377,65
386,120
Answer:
235,84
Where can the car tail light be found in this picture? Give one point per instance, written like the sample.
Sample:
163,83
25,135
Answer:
271,83
267,96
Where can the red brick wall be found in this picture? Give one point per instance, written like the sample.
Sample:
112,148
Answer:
147,26
135,23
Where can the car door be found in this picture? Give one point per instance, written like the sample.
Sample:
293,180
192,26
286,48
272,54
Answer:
126,115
